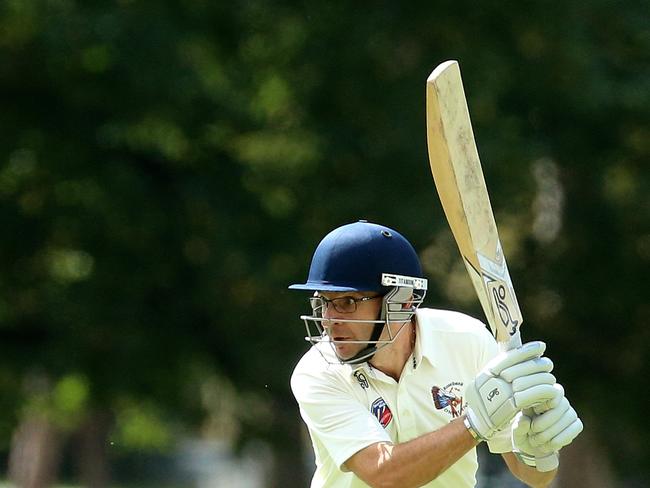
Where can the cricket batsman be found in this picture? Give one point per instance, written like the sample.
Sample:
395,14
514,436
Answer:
395,395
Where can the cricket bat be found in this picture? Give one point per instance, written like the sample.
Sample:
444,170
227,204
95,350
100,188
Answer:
459,179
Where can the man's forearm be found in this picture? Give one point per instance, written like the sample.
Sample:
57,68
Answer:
413,463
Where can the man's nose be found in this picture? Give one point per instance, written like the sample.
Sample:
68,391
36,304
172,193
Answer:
335,323
332,326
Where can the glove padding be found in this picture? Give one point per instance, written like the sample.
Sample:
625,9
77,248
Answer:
512,381
538,438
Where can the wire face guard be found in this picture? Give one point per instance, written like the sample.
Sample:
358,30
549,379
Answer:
398,308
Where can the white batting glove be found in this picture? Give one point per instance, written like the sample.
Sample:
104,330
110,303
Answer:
541,437
509,383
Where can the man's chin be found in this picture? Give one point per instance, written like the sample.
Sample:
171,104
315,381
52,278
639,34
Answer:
345,351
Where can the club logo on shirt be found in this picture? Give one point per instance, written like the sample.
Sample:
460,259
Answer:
448,398
381,411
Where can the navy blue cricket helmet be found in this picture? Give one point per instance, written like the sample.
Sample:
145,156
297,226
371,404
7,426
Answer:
354,256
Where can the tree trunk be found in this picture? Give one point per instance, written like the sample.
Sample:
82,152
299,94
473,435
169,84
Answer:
288,463
92,454
35,453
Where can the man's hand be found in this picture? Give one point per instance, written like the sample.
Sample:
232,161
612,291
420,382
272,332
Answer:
509,383
547,432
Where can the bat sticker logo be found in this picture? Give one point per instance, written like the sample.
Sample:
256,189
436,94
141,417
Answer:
502,310
499,295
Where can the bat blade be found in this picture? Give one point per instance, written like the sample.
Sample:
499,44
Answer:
459,179
456,169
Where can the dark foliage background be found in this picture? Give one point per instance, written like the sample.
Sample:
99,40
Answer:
166,169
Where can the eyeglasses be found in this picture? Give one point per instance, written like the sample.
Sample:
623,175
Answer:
340,304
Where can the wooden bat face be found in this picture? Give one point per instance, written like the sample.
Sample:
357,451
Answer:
459,179
457,172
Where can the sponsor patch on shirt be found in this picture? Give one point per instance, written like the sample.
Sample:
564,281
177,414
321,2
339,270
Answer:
381,411
448,399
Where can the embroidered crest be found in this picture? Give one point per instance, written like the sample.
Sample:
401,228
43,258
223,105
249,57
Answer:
448,399
381,411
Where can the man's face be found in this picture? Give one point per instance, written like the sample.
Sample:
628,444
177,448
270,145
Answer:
349,306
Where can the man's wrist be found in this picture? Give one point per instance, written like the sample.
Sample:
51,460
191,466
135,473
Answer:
524,458
472,431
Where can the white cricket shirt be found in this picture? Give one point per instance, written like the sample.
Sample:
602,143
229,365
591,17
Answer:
349,407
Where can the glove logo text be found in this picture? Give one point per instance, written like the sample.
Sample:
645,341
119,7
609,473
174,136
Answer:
492,394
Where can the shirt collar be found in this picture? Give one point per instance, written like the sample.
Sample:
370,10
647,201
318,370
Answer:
424,343
424,349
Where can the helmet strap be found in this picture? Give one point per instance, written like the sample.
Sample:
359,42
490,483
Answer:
369,351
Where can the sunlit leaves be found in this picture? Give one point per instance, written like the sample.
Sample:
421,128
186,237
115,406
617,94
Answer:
18,170
97,58
141,426
64,402
69,265
152,134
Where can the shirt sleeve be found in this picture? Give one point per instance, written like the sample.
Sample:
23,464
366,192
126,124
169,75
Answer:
335,417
